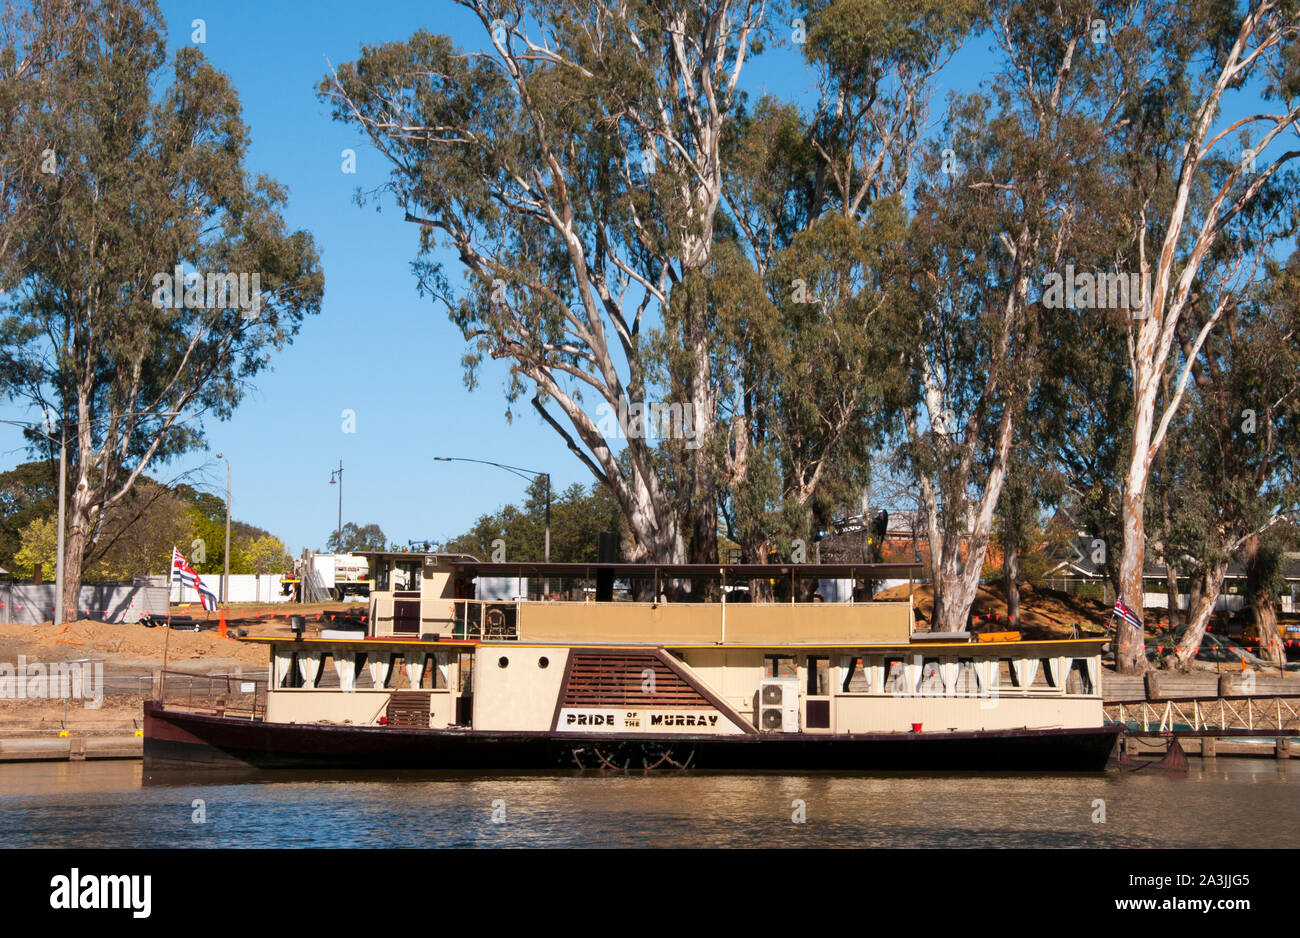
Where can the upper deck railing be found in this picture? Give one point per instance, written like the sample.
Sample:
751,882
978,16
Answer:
682,623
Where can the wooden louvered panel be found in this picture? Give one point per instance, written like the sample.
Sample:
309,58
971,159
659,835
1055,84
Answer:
408,709
616,681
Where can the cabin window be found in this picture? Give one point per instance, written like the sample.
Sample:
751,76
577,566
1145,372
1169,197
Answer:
857,679
819,676
360,673
381,576
294,676
465,672
1079,682
398,678
895,677
967,684
407,575
432,677
781,666
931,682
328,676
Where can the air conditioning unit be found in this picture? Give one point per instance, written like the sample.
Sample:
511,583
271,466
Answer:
778,705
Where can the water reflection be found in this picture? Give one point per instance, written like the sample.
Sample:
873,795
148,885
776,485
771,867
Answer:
1228,802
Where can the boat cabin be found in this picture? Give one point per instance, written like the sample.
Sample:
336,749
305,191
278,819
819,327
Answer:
668,649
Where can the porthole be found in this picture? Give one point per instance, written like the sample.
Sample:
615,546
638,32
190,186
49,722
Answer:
503,662
543,662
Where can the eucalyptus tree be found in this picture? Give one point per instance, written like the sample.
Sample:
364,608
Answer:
819,208
1192,179
1238,447
574,165
34,37
155,276
1005,199
1083,395
1033,483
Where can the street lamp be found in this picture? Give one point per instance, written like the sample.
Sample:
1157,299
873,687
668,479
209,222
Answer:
523,474
225,579
338,537
63,485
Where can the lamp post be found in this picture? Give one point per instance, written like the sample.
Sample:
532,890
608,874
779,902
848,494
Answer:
338,536
524,474
63,485
225,579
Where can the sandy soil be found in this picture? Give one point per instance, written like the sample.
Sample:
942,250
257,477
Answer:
1043,613
118,713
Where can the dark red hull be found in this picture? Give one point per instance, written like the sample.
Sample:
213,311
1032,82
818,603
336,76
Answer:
178,739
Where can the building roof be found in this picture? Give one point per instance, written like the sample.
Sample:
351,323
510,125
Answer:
414,555
732,571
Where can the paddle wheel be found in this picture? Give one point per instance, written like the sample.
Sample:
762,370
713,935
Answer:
623,756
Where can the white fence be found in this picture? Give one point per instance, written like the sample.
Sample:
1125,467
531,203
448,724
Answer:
1225,602
244,588
29,604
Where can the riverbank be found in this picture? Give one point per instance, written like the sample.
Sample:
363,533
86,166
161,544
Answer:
128,659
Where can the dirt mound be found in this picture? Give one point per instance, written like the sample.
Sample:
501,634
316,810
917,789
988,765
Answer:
1044,613
90,639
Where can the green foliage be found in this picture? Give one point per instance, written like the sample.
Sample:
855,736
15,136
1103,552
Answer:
27,492
578,517
363,537
264,554
150,177
39,546
1231,467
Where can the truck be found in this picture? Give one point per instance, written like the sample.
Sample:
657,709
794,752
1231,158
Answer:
340,574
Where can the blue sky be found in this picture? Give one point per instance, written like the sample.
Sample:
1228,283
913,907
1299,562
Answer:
377,348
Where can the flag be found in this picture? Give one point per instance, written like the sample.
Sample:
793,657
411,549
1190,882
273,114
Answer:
184,574
1125,613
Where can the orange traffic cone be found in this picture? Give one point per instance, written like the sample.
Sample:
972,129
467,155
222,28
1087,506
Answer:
221,624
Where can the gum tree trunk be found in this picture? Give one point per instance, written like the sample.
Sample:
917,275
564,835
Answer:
1199,612
1171,591
1258,563
1011,568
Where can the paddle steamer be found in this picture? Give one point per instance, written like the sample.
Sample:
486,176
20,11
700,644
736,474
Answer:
469,665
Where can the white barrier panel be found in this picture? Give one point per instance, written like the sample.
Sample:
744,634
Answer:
1225,603
244,588
29,604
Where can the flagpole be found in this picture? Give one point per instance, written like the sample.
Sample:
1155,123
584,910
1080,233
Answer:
162,681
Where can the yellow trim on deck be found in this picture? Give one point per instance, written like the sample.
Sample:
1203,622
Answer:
382,640
914,647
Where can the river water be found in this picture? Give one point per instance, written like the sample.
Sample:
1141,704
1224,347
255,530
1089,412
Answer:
1229,802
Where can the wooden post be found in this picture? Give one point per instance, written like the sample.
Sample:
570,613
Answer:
723,572
167,636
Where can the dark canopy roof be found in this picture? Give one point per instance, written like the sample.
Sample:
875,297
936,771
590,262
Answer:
732,571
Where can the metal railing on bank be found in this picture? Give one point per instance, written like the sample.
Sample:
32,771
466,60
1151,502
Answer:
223,694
